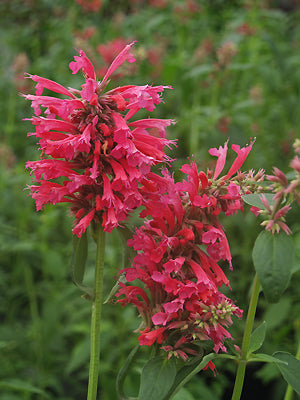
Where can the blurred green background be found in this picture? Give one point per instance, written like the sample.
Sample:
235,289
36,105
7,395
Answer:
235,70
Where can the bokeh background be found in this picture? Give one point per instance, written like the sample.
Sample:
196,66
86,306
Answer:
235,69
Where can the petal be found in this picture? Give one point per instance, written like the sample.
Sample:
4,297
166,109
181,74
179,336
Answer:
221,154
82,62
123,56
81,227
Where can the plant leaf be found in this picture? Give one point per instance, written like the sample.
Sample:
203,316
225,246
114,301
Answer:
273,260
184,394
79,356
291,370
21,386
128,252
157,378
199,70
257,337
115,288
255,199
78,262
187,372
124,372
126,234
265,358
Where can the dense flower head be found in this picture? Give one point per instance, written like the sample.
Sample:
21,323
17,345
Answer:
178,250
93,156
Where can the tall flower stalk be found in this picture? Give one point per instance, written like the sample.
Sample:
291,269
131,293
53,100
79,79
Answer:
240,374
96,314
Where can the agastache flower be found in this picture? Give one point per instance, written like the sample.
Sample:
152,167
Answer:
294,186
274,215
178,250
93,156
285,192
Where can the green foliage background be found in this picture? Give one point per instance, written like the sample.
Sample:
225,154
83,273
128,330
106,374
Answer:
44,334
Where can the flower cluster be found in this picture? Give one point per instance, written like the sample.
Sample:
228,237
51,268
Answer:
178,251
285,191
93,156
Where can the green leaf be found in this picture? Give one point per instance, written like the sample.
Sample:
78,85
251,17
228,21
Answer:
240,66
128,253
255,199
192,368
199,70
276,314
244,104
21,386
291,370
183,394
257,337
79,356
124,372
79,256
78,262
265,358
273,260
115,288
187,372
157,378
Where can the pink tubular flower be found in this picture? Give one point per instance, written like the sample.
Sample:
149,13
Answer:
284,192
93,156
178,250
108,52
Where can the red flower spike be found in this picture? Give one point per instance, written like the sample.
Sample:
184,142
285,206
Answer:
178,250
89,139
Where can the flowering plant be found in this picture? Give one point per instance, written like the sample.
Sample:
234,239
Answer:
98,160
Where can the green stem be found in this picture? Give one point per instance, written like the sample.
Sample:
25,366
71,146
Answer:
289,394
96,315
240,375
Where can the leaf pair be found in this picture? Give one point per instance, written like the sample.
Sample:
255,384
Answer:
287,364
160,379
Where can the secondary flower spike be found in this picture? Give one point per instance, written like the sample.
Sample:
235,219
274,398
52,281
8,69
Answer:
178,251
93,155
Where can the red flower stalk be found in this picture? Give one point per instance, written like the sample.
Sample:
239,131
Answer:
93,157
177,255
